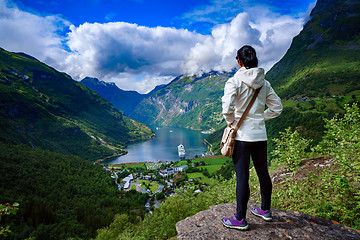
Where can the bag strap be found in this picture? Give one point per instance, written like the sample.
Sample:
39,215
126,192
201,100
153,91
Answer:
247,110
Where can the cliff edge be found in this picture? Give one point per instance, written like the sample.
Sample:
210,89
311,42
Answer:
285,225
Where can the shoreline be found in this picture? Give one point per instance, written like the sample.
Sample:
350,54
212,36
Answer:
100,161
119,164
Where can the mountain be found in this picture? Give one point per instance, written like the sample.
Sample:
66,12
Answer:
44,108
323,59
320,72
316,77
187,101
125,101
157,88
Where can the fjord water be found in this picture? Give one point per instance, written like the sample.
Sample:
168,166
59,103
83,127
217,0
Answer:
164,147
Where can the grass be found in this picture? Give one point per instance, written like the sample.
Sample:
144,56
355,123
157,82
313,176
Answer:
201,178
213,163
153,185
212,168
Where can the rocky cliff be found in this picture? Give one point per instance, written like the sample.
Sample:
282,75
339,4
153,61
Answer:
188,101
285,225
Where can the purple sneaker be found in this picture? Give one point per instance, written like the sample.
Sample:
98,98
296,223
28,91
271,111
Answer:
266,215
234,223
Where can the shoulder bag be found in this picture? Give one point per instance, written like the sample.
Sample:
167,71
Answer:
228,138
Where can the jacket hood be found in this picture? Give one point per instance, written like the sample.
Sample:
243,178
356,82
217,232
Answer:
253,77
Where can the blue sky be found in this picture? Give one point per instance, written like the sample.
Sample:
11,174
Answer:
149,13
198,15
139,44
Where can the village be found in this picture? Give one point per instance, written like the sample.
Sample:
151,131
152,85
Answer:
160,180
130,180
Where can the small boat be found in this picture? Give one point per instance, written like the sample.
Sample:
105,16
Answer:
181,151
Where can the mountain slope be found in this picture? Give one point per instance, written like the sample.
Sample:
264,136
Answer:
319,74
45,108
323,59
123,100
190,102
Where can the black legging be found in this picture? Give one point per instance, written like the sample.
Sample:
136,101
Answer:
241,159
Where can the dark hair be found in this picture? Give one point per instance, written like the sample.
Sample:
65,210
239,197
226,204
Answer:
247,56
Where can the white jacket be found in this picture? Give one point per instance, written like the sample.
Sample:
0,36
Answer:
238,93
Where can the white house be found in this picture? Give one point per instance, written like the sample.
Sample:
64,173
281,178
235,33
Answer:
181,168
167,172
127,181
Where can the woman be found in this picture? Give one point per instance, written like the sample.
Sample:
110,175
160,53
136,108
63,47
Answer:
251,139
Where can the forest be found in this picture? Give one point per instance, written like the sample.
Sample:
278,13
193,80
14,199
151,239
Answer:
60,196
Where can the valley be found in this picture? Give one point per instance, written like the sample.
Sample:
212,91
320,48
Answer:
53,129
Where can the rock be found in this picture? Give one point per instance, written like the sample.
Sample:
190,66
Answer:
285,225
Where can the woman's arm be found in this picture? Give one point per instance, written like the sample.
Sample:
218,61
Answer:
274,104
228,104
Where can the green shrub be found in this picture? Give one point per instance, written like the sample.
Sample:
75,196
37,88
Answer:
7,209
342,139
290,149
333,193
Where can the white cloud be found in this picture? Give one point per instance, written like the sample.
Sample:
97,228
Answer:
118,52
218,51
29,33
277,33
107,50
142,83
138,57
270,34
306,15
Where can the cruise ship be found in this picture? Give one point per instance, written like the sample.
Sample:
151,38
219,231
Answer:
181,151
